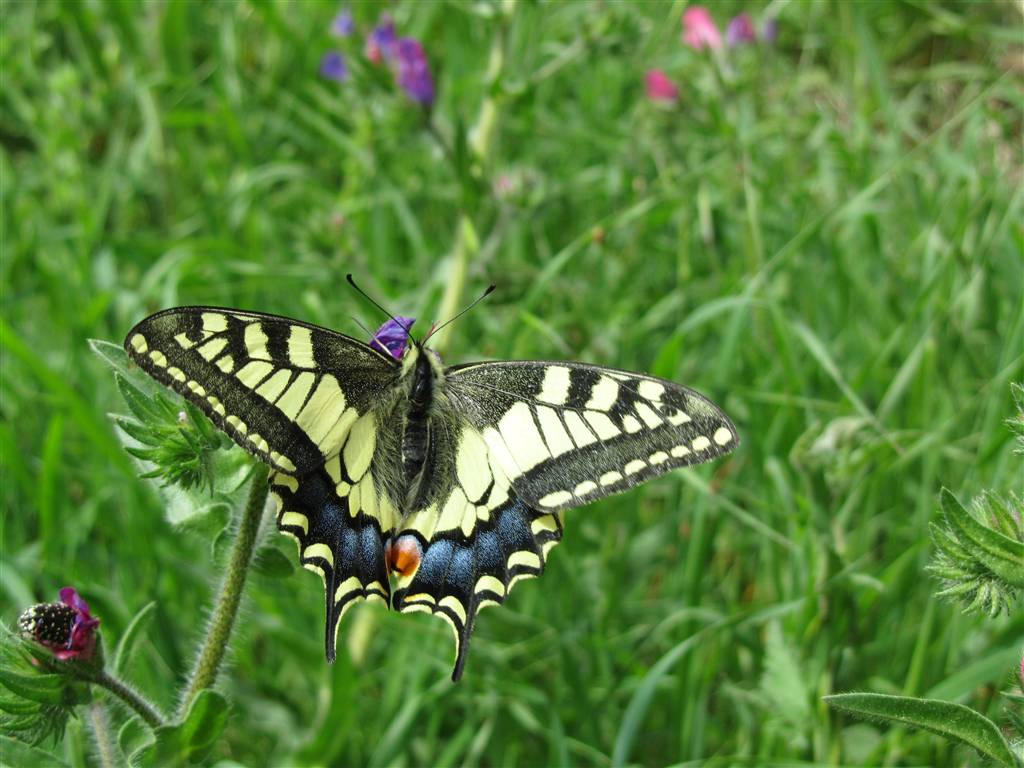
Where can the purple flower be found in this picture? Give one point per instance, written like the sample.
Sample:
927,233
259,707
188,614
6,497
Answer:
333,67
659,87
414,72
67,628
769,30
380,45
699,30
393,336
343,25
740,30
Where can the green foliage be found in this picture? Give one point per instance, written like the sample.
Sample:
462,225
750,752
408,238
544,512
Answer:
36,700
189,741
822,235
979,555
952,721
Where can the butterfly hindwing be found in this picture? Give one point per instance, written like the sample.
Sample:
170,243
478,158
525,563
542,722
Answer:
467,551
340,524
286,391
569,433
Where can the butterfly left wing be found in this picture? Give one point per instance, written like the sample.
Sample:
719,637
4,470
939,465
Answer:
302,399
340,525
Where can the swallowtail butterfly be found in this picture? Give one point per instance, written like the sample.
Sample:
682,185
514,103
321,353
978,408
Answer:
387,464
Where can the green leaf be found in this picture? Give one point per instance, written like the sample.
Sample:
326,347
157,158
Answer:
130,639
140,405
271,561
134,738
1001,554
46,689
192,739
16,752
111,354
952,721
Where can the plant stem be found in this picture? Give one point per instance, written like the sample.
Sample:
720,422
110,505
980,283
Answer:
480,142
131,698
99,724
218,633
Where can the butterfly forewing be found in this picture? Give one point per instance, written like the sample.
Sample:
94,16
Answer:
569,433
285,391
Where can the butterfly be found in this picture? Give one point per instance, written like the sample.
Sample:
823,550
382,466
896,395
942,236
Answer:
385,464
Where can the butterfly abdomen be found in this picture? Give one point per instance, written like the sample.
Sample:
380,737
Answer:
417,434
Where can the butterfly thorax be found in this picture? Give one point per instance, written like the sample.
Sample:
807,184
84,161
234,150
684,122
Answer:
415,422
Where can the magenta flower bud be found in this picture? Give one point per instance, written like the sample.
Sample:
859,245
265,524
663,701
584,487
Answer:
67,628
660,88
699,30
740,30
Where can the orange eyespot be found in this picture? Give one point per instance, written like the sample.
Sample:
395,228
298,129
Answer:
403,555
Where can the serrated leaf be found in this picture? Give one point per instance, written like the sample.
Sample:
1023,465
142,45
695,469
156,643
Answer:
17,706
137,431
952,721
45,689
193,738
129,640
140,405
1002,555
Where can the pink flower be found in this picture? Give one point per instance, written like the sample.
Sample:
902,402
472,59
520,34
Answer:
67,628
699,30
659,87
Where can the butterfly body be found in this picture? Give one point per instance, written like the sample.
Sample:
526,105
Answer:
389,466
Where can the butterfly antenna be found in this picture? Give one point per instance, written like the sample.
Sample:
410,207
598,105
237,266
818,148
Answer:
482,296
366,296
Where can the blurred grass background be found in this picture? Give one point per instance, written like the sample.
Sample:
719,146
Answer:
824,236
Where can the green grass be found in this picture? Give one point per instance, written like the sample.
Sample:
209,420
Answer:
825,237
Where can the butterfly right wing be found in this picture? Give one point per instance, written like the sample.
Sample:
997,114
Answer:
567,434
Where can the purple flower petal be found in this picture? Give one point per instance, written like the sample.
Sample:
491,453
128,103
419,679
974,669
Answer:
343,24
414,71
333,67
769,30
740,30
393,336
381,44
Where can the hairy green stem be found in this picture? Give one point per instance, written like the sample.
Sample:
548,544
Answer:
99,724
481,138
218,633
131,698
